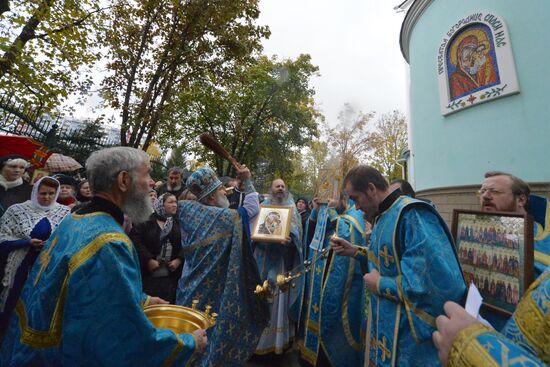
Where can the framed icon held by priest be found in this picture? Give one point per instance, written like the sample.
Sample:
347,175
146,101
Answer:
272,224
495,251
328,185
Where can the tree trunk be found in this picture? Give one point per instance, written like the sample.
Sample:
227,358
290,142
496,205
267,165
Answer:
27,34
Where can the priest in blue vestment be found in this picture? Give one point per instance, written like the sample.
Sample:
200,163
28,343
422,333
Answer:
412,270
463,341
503,192
219,269
280,258
333,313
82,304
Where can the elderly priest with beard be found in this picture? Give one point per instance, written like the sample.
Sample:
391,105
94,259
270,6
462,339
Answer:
279,258
83,303
219,269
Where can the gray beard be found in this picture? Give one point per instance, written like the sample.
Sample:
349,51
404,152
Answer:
279,198
222,202
137,206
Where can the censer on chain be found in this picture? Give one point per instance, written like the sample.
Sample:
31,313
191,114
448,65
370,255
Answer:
181,319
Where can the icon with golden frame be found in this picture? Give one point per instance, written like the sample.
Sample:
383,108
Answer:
273,223
328,185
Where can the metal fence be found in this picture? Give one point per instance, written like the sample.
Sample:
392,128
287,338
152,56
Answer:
20,119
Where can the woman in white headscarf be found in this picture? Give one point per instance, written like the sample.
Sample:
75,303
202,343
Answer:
24,228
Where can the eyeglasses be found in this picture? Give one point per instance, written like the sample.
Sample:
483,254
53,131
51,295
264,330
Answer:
490,190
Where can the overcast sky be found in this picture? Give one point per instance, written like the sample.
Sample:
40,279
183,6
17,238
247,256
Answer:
355,44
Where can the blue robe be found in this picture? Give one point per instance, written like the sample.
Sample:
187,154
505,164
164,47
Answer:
220,271
274,259
525,340
539,208
413,250
334,295
82,304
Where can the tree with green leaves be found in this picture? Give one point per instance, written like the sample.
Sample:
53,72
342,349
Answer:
159,49
387,142
348,141
47,49
263,113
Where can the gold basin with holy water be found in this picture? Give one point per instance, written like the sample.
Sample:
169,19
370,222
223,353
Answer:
180,319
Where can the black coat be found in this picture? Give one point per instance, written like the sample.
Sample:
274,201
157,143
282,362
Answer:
15,195
146,239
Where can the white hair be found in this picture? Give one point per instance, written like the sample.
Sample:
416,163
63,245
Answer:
103,166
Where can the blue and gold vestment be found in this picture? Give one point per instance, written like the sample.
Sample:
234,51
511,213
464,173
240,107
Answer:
82,304
539,208
334,297
413,251
220,271
525,340
274,259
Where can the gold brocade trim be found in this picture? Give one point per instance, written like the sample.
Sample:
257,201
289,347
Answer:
466,350
355,222
529,319
276,350
345,319
51,337
306,354
177,350
83,216
396,335
45,260
421,314
207,241
374,259
538,281
542,233
147,301
542,258
313,327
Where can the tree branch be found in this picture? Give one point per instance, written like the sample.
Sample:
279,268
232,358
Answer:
71,25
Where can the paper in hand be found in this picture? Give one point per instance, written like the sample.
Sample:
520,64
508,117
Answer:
473,304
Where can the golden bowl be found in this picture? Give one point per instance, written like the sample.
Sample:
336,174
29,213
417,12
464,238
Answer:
179,319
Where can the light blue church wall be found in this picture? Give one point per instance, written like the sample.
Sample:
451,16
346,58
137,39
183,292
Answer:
509,134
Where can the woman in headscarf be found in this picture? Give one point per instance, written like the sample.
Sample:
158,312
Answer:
158,244
24,228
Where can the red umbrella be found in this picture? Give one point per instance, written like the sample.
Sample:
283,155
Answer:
25,147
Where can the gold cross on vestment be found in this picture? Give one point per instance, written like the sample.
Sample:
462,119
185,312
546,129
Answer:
315,308
385,351
45,260
318,270
387,257
488,346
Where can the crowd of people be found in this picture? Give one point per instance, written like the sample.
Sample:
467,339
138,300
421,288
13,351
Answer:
371,277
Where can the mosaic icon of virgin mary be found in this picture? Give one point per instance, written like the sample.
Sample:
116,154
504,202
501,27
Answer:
471,62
